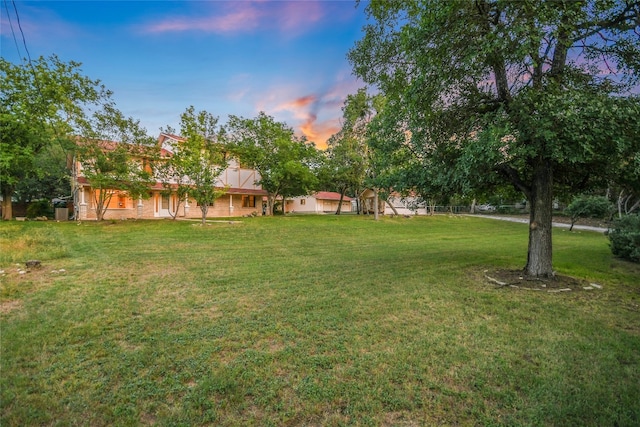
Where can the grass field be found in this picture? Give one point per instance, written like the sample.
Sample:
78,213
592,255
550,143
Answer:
311,320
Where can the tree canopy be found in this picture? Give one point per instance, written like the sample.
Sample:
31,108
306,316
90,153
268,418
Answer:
285,163
347,164
42,103
200,158
112,153
533,93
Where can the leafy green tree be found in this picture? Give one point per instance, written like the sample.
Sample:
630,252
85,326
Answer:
347,163
533,93
407,168
344,166
53,177
172,172
112,153
298,175
19,144
200,158
41,104
285,163
588,207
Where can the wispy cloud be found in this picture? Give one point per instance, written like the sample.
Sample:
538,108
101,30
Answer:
296,15
239,87
245,16
242,19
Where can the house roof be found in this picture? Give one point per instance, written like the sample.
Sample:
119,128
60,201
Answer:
167,152
108,145
330,195
171,136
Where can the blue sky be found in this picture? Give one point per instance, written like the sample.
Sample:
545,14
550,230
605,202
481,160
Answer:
287,58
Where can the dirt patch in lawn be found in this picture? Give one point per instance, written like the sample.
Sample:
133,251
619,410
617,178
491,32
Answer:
515,279
8,306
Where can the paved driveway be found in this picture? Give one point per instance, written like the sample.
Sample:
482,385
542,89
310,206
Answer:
555,224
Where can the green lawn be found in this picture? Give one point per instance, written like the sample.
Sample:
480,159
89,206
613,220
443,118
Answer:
311,320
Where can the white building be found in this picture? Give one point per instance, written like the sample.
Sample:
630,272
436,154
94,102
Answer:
320,202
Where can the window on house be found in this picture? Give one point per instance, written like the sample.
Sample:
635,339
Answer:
117,200
248,201
210,204
303,201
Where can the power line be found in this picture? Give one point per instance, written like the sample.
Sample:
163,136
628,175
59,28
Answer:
36,81
13,33
24,40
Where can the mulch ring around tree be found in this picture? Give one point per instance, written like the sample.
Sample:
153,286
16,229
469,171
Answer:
515,279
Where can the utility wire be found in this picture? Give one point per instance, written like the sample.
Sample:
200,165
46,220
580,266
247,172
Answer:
56,132
13,33
30,62
33,71
24,40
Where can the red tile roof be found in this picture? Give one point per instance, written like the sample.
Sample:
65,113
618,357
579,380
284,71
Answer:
330,195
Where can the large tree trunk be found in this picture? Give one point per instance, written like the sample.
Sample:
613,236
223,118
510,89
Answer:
539,256
7,207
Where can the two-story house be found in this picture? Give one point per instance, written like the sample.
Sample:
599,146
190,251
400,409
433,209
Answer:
242,197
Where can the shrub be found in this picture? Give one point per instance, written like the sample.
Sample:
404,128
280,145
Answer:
588,207
625,238
39,208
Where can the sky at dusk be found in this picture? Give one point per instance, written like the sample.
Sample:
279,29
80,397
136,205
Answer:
286,58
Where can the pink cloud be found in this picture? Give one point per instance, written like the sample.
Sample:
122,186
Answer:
244,16
296,15
241,19
297,104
